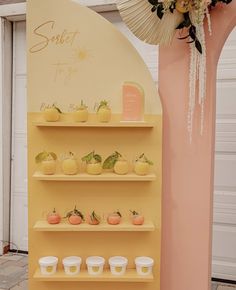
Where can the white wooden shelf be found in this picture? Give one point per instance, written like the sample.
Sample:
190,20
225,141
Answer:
121,124
87,177
83,276
44,226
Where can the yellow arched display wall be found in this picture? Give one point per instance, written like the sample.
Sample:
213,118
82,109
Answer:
75,54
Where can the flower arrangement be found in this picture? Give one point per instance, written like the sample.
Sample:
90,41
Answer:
156,22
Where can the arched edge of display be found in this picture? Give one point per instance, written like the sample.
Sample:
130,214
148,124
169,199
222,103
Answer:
69,61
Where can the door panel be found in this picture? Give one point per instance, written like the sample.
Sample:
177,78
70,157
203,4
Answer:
224,228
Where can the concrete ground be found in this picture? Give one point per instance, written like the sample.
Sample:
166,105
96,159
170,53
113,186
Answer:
14,274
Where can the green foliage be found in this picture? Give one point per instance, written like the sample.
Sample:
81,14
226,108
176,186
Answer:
95,217
75,211
92,156
103,104
111,160
143,158
158,7
134,212
42,156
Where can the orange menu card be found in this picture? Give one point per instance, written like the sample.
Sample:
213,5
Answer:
133,102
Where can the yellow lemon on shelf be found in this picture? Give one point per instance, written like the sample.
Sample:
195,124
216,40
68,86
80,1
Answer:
141,168
94,168
121,167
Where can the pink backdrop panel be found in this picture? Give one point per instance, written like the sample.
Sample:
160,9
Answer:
188,169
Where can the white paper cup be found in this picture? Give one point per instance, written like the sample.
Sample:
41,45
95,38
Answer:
144,265
95,265
48,265
72,265
118,265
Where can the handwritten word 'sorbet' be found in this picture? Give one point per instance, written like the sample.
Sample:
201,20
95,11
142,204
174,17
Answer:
46,35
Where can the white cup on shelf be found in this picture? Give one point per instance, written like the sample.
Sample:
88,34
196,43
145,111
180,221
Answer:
72,265
48,265
144,265
95,265
118,265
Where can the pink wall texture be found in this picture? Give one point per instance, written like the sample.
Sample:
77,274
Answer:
188,168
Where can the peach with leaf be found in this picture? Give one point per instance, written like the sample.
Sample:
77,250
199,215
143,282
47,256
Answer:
47,160
75,217
93,163
53,217
69,164
114,218
142,165
93,218
104,112
137,219
80,113
51,113
116,162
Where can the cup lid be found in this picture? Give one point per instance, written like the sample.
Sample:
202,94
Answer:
46,261
144,261
72,260
118,261
95,260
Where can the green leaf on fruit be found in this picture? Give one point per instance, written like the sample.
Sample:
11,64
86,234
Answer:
87,158
59,111
111,160
119,214
92,156
103,104
95,217
98,158
54,156
143,158
41,156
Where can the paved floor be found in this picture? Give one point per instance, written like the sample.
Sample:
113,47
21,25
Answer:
14,274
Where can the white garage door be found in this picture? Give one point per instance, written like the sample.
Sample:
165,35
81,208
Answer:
224,253
224,229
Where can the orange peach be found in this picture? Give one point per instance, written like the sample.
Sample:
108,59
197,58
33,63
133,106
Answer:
114,219
75,219
53,217
138,219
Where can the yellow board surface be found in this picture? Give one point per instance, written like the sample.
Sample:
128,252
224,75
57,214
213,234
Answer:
70,60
